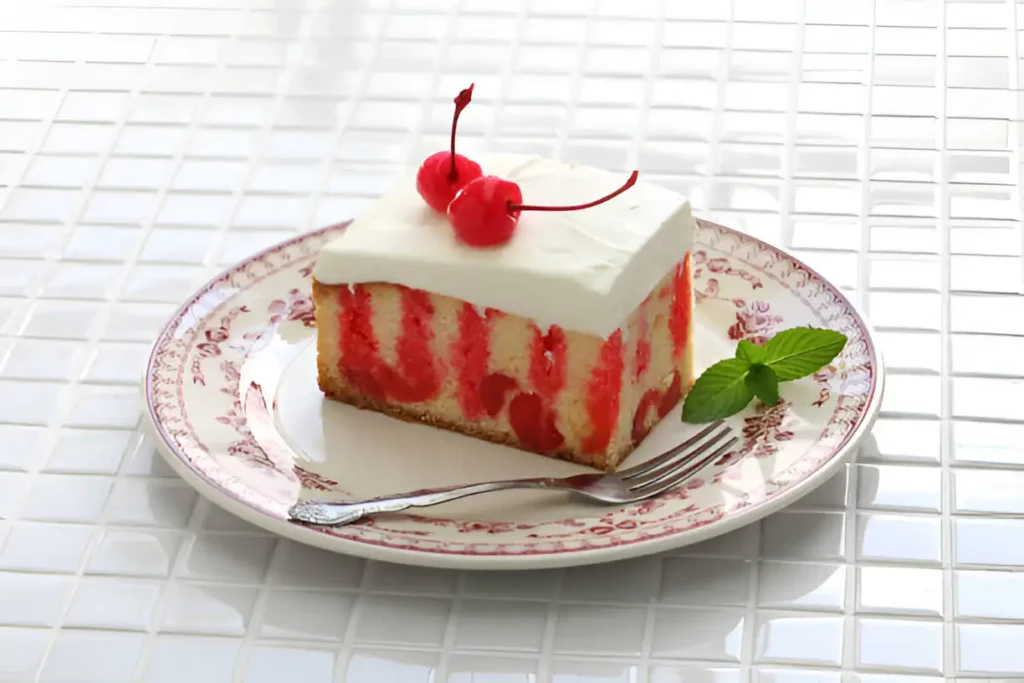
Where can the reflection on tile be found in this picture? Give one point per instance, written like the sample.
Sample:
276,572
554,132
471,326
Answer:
990,648
46,547
474,669
306,615
910,350
988,491
788,585
989,594
22,651
909,310
799,639
912,395
987,442
892,272
987,398
692,673
302,566
804,536
899,538
34,599
135,553
994,314
895,644
208,609
988,541
899,590
698,634
230,557
407,667
903,488
402,579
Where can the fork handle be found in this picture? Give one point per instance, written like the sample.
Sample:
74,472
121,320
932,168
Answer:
337,513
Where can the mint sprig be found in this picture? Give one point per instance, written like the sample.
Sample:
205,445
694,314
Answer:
729,385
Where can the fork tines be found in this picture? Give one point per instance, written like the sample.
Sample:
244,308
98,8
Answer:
689,452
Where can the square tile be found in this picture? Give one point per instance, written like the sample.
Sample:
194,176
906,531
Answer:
302,566
191,658
799,639
162,283
238,245
402,620
899,488
900,590
164,141
117,364
208,609
67,498
230,557
988,541
698,634
988,491
121,207
105,407
267,664
135,553
135,173
910,350
804,536
22,278
591,629
114,603
33,599
136,322
61,171
519,628
802,586
704,581
989,648
78,138
22,651
178,245
45,360
30,402
306,615
210,176
398,665
23,447
692,673
139,502
43,547
989,594
102,243
82,281
983,442
537,585
899,538
14,487
398,578
624,581
92,657
195,210
900,645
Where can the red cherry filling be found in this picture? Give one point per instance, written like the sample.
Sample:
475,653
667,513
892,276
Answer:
443,174
486,211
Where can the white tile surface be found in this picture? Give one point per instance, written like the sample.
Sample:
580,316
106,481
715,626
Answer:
144,145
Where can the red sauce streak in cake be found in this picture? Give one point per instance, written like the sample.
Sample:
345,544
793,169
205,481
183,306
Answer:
494,388
416,378
470,353
603,394
534,423
682,303
662,401
358,342
548,361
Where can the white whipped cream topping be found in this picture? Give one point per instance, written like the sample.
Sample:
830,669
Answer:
583,270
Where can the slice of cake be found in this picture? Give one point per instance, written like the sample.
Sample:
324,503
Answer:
571,337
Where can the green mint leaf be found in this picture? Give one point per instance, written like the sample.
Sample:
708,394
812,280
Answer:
749,351
762,380
801,351
719,392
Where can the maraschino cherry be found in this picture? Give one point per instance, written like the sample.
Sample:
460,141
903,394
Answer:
486,211
443,174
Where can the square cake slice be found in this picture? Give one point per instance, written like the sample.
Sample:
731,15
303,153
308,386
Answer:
572,340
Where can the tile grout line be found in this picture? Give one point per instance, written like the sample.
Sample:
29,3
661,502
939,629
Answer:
348,642
948,663
718,117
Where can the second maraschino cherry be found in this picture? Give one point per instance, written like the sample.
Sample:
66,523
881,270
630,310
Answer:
486,211
443,174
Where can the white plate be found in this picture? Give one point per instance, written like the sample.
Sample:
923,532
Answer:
231,393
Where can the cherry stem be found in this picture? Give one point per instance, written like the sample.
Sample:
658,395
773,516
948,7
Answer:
462,101
529,207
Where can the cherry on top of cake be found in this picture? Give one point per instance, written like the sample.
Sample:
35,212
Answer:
585,269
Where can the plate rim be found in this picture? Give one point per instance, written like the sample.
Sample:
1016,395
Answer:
428,558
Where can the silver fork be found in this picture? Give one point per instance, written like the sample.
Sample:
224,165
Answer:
651,478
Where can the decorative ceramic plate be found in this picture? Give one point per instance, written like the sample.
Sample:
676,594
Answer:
231,392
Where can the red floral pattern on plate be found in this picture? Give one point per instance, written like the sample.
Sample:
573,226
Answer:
229,444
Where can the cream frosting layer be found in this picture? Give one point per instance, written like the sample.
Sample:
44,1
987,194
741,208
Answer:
583,270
